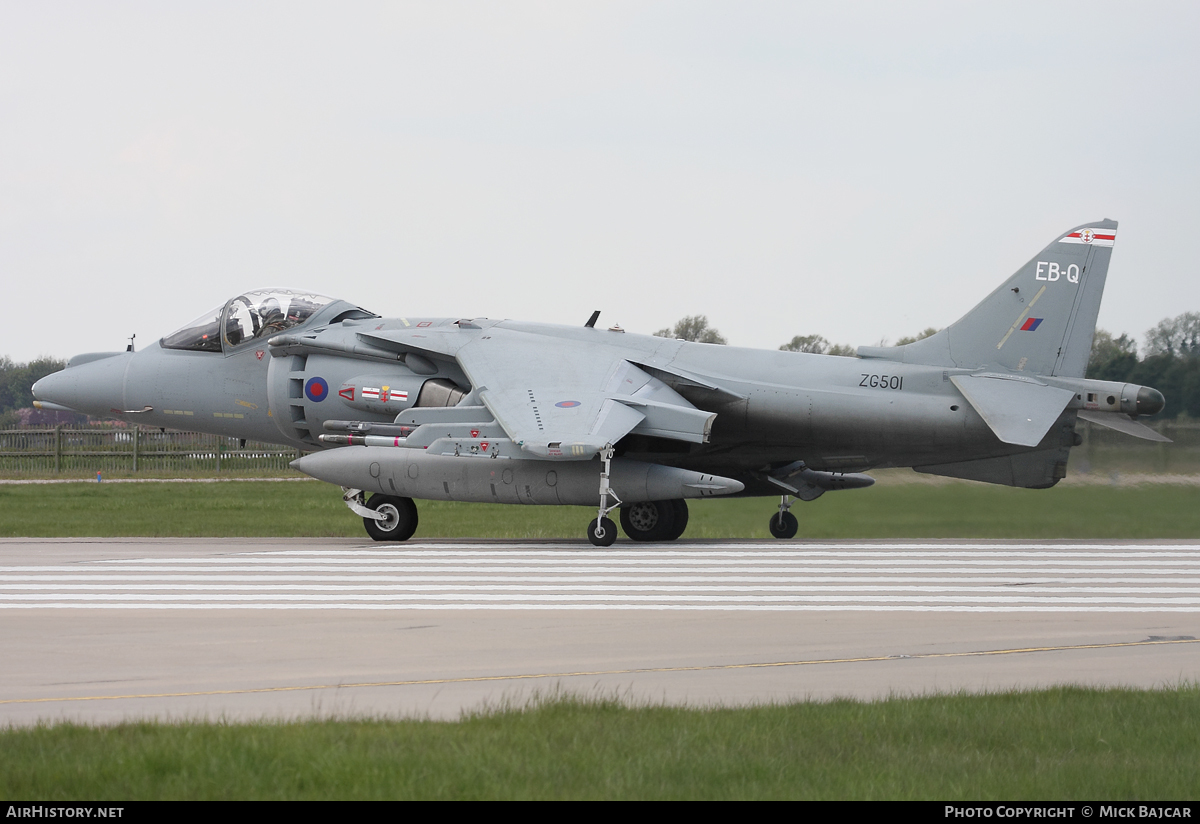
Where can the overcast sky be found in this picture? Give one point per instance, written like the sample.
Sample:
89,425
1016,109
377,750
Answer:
855,170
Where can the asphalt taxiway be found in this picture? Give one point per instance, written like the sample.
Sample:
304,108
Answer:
101,630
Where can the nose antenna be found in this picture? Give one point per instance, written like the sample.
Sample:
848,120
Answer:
129,348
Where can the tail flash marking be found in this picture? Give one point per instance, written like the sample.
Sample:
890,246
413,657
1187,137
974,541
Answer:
1021,318
1031,325
1096,237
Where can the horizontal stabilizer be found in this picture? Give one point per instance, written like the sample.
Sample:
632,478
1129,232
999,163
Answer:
1125,424
1019,411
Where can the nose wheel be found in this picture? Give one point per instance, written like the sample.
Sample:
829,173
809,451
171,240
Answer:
783,524
386,517
395,518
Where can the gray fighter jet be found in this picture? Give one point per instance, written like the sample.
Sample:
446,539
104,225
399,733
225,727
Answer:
501,411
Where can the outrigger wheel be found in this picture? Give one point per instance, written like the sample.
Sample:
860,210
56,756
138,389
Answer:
602,532
399,518
784,525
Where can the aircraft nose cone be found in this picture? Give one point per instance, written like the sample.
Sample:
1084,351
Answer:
1150,401
97,387
53,388
45,384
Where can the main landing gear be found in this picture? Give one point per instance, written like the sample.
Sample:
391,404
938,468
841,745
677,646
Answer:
655,520
642,521
783,524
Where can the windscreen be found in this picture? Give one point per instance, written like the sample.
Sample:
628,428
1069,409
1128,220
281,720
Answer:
201,335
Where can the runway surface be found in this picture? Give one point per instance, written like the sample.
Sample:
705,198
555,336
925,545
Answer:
105,629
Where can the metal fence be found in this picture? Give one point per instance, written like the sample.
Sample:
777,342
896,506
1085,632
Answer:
131,450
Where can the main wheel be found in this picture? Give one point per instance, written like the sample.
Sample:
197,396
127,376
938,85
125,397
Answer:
602,532
681,520
784,525
399,518
648,520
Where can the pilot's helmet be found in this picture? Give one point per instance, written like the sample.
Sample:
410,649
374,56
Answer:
269,310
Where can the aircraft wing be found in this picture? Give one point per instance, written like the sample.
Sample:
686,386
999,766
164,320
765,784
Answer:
567,398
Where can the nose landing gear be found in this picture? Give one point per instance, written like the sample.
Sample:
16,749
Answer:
399,520
386,517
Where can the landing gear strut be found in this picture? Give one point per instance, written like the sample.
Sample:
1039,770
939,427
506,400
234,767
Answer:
783,524
602,531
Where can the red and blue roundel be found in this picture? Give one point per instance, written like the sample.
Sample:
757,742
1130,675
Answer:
567,404
316,390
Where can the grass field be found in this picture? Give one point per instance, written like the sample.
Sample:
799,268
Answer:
303,508
1063,744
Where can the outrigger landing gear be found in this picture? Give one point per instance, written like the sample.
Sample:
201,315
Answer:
783,524
602,531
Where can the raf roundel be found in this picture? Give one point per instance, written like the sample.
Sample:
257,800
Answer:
316,390
567,404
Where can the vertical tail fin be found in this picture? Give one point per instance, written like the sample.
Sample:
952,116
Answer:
1041,320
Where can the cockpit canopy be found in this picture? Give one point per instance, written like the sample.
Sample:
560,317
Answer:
254,316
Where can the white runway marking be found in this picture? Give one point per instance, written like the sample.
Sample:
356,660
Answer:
975,577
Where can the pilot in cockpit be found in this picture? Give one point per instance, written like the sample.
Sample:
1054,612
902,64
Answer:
273,319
